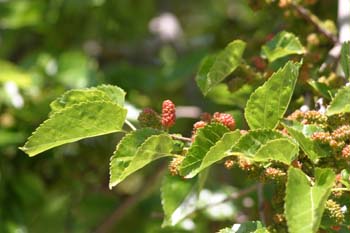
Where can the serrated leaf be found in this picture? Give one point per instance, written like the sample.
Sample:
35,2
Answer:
174,192
322,88
206,137
99,93
247,227
282,150
126,151
267,105
215,69
301,133
124,164
305,203
218,151
84,120
345,58
283,44
340,103
251,142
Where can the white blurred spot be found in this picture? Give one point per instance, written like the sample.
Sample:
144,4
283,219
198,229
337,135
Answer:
166,26
321,107
344,209
248,202
133,112
304,108
51,67
188,224
12,91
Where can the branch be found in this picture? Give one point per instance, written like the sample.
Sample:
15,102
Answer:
261,203
233,196
130,202
181,138
308,16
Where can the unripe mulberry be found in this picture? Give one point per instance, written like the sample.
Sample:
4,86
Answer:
225,119
334,211
346,152
274,173
174,165
229,163
168,114
206,117
149,118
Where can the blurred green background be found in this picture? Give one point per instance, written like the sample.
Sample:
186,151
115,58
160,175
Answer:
150,48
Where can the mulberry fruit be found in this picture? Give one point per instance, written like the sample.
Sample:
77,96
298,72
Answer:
168,114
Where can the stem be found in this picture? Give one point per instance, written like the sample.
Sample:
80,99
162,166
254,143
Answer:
341,189
261,202
132,127
233,196
181,138
108,224
311,18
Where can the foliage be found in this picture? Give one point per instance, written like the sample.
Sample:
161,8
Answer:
270,137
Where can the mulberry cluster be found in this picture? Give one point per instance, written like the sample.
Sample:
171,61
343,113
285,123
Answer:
225,119
229,163
149,118
196,126
346,152
309,117
168,114
174,165
274,173
333,210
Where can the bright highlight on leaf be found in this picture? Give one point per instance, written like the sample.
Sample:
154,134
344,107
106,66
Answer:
340,103
215,69
304,202
267,105
283,44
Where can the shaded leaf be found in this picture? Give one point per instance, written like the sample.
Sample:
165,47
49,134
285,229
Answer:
215,69
283,44
206,137
267,105
305,203
301,133
282,150
174,191
87,119
340,103
345,58
11,73
124,164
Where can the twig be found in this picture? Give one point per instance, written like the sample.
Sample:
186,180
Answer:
233,196
261,203
130,202
314,21
340,189
132,127
181,138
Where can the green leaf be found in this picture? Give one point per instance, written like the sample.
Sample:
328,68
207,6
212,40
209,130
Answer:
251,142
247,227
305,203
301,134
282,150
218,151
215,69
126,151
283,44
132,154
267,105
102,93
206,138
84,120
340,103
345,59
174,192
322,88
